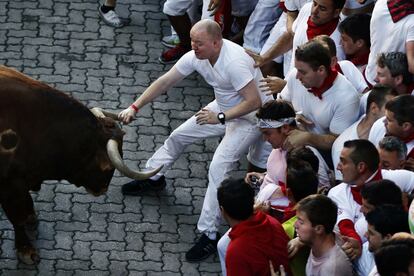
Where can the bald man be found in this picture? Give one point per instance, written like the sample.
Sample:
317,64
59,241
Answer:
230,71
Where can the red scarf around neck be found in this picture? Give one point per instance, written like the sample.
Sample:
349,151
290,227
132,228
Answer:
338,68
400,9
327,83
410,154
408,139
356,191
360,59
325,29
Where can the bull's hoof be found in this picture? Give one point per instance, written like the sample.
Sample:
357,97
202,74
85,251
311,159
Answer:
28,255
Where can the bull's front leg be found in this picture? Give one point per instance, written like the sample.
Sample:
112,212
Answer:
18,207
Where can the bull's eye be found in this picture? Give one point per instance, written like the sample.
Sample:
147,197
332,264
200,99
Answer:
8,141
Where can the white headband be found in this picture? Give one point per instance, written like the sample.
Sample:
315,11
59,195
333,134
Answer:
267,123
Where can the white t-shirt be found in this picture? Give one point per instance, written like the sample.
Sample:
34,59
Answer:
349,134
329,114
366,262
352,73
334,263
232,71
363,103
300,26
295,5
348,208
377,131
387,36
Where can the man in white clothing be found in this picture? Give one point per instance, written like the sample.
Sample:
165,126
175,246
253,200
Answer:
226,67
377,99
316,18
392,30
383,223
398,122
314,88
359,164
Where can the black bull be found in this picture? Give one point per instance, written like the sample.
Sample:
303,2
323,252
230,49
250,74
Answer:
47,135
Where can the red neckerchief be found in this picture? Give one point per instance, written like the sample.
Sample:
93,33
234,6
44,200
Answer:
360,59
410,154
289,213
338,68
327,83
410,88
282,187
400,9
408,139
356,191
324,29
282,6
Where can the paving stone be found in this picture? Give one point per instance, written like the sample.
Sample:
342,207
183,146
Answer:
100,260
82,250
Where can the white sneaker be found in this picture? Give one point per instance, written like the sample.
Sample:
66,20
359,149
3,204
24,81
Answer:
111,18
170,41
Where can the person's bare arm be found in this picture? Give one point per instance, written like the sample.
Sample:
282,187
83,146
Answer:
290,18
158,87
283,45
298,138
250,103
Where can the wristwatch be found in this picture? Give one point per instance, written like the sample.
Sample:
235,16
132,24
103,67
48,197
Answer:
221,117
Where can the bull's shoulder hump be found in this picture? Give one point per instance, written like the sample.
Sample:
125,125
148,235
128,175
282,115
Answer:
7,73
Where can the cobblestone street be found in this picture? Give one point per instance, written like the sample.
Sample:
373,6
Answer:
65,44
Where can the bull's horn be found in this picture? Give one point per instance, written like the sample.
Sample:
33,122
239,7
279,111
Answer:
113,153
100,113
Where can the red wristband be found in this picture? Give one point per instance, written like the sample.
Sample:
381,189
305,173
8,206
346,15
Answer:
134,107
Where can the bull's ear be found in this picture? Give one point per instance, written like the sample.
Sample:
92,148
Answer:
9,141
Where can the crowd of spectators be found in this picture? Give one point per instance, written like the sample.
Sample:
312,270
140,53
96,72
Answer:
329,86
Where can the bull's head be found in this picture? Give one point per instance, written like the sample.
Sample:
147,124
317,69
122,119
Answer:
113,134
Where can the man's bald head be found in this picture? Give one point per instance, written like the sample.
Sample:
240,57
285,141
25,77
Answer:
212,28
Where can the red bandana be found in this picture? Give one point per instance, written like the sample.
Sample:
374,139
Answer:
338,68
356,191
324,29
400,9
282,187
327,83
361,59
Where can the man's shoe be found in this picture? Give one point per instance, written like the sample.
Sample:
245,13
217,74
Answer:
173,54
137,187
170,41
111,18
202,249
